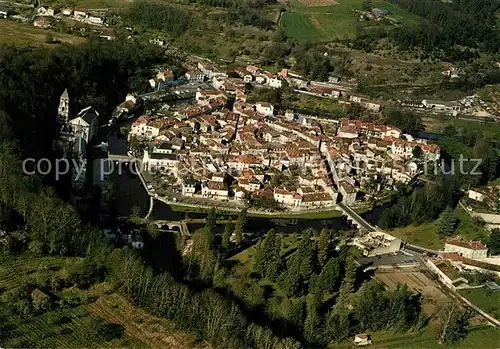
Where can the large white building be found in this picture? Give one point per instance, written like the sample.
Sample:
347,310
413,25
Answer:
144,128
264,108
466,248
154,161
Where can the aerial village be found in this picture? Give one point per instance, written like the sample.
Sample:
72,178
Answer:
224,148
208,143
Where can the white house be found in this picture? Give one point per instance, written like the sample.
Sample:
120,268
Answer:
274,83
476,195
4,13
96,19
144,128
213,189
466,248
348,132
44,11
159,161
287,198
264,108
362,339
85,124
451,107
348,192
67,12
80,13
194,75
188,187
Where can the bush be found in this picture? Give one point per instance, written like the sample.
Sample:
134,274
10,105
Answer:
85,273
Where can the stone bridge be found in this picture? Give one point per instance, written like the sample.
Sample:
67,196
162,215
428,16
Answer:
356,219
180,225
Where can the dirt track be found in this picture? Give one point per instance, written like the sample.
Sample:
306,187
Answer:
317,3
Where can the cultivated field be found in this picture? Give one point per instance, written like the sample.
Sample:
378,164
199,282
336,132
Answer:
324,20
416,280
312,3
137,324
95,3
80,326
25,34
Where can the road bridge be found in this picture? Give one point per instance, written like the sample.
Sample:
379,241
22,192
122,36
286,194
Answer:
118,157
356,219
181,225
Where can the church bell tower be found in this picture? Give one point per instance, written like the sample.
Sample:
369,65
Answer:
63,110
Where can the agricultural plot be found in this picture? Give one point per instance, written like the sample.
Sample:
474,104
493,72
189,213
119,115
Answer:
417,281
98,4
403,16
13,272
25,34
139,325
66,328
323,20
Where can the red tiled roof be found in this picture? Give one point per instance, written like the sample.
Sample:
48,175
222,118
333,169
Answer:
470,244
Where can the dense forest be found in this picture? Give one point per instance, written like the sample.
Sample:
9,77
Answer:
171,19
447,24
175,20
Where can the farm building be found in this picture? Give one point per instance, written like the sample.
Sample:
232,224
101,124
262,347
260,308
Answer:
4,12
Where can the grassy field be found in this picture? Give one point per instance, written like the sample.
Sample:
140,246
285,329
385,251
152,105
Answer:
468,227
426,234
398,13
480,337
423,235
491,129
25,34
336,21
94,3
484,299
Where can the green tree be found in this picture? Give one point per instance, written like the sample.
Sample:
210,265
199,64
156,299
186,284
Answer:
313,326
239,228
291,279
328,280
226,236
417,152
452,324
297,313
494,242
267,258
323,247
348,282
447,222
338,324
40,301
135,215
306,254
209,231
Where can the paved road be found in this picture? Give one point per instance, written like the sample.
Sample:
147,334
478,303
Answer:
355,216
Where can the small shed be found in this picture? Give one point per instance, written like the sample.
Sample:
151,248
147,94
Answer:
4,12
362,339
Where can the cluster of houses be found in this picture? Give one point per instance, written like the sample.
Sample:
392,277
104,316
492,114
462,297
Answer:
45,16
460,257
223,153
361,151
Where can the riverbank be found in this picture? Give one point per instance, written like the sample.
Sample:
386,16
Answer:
326,214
